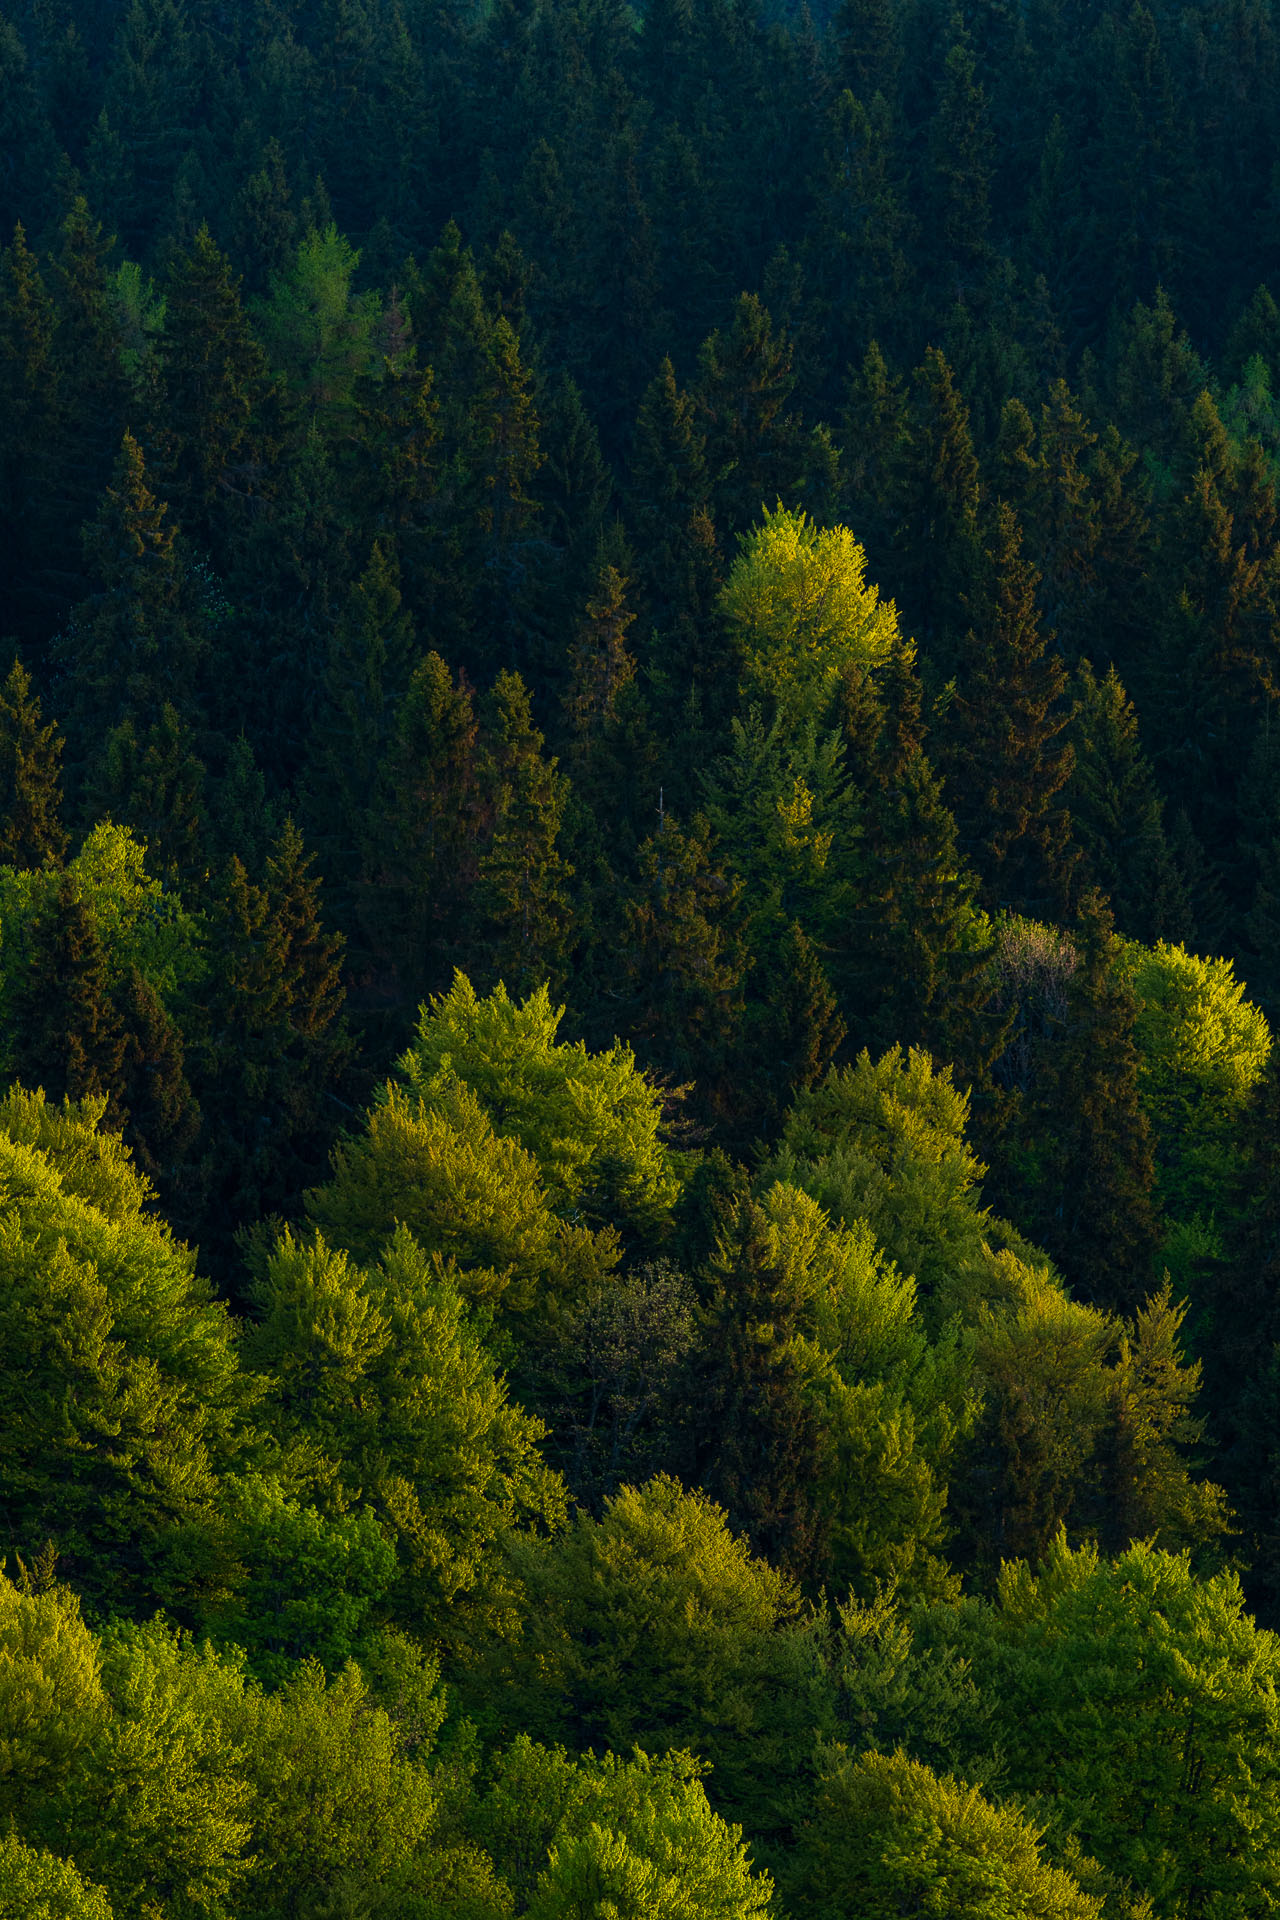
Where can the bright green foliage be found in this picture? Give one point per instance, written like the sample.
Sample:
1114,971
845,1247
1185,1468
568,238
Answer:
891,1838
39,1886
312,1585
631,1839
1203,1048
812,1360
465,1192
801,609
185,1790
656,1626
159,1812
136,922
317,331
591,1121
379,1373
120,1381
1138,1705
346,1818
884,1141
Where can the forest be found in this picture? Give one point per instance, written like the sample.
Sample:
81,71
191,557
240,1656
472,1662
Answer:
639,936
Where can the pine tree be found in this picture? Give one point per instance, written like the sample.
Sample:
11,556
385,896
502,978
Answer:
1006,761
31,831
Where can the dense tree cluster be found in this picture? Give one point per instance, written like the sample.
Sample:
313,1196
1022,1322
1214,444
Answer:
639,911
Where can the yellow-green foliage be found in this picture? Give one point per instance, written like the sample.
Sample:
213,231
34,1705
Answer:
657,1626
591,1121
798,603
634,1839
435,1165
138,923
1139,1706
39,1886
120,1390
1203,1049
378,1371
889,1837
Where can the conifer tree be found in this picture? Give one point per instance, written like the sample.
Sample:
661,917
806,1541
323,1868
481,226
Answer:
759,1438
151,779
70,1038
961,153
164,1120
272,1058
1007,763
424,836
364,678
1117,813
31,831
215,392
28,397
1094,1180
757,451
521,902
137,641
937,523
683,964
90,391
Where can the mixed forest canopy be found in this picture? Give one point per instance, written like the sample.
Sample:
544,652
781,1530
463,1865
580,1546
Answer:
639,936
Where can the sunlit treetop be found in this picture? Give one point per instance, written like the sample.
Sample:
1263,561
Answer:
801,610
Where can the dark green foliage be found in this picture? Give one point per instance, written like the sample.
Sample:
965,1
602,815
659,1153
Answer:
1006,763
487,435
30,778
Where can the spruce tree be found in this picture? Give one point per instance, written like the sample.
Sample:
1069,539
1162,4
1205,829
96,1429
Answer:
1093,1187
1117,813
69,1037
28,398
365,675
31,831
138,641
424,838
759,1440
683,964
1006,760
152,780
521,911
216,394
270,1065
